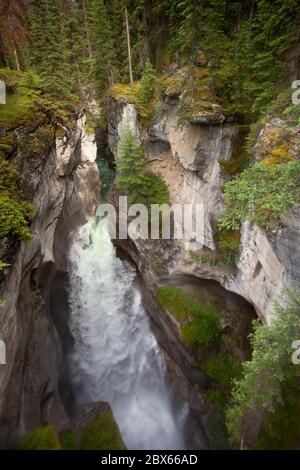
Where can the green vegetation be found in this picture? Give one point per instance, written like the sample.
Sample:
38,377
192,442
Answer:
2,266
147,84
67,439
101,434
14,216
44,438
222,368
15,213
132,174
22,94
206,259
261,194
244,44
269,386
228,242
104,59
196,98
200,327
241,153
199,323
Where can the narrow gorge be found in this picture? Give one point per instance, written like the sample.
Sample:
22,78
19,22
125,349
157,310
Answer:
180,337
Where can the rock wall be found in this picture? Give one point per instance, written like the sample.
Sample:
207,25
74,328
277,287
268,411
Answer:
65,188
187,158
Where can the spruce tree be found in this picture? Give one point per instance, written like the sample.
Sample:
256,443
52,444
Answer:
50,54
104,50
130,164
147,83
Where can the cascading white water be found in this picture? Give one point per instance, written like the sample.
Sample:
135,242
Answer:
116,357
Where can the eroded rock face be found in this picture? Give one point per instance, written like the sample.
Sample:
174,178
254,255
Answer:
66,194
187,158
120,114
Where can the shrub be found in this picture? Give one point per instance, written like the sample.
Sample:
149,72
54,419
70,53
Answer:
265,378
44,438
14,217
200,324
261,194
228,249
132,174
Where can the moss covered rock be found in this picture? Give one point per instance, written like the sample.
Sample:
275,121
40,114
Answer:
199,323
44,438
102,434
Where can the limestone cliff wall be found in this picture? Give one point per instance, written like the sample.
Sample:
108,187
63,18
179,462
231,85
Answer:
187,157
65,188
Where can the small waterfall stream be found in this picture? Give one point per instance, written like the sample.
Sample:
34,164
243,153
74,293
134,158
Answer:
116,357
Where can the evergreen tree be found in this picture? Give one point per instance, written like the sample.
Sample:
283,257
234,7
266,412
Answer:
147,83
104,50
130,163
13,31
50,54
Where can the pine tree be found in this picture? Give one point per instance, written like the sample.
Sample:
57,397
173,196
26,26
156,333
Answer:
104,51
13,31
79,45
130,164
50,54
147,83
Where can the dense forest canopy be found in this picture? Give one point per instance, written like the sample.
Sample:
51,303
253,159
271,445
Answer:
77,46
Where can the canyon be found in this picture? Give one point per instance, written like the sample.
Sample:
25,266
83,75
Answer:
37,383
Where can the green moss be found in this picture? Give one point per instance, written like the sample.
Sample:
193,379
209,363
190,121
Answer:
196,96
223,369
240,157
68,440
200,324
44,438
206,259
126,92
203,329
17,111
226,253
216,398
101,434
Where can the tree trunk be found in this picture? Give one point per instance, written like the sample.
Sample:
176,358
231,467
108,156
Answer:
239,17
252,11
88,39
128,46
146,48
16,56
3,50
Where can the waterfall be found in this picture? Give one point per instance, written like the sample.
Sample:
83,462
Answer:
116,357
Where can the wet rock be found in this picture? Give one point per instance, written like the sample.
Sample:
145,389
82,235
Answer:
66,189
